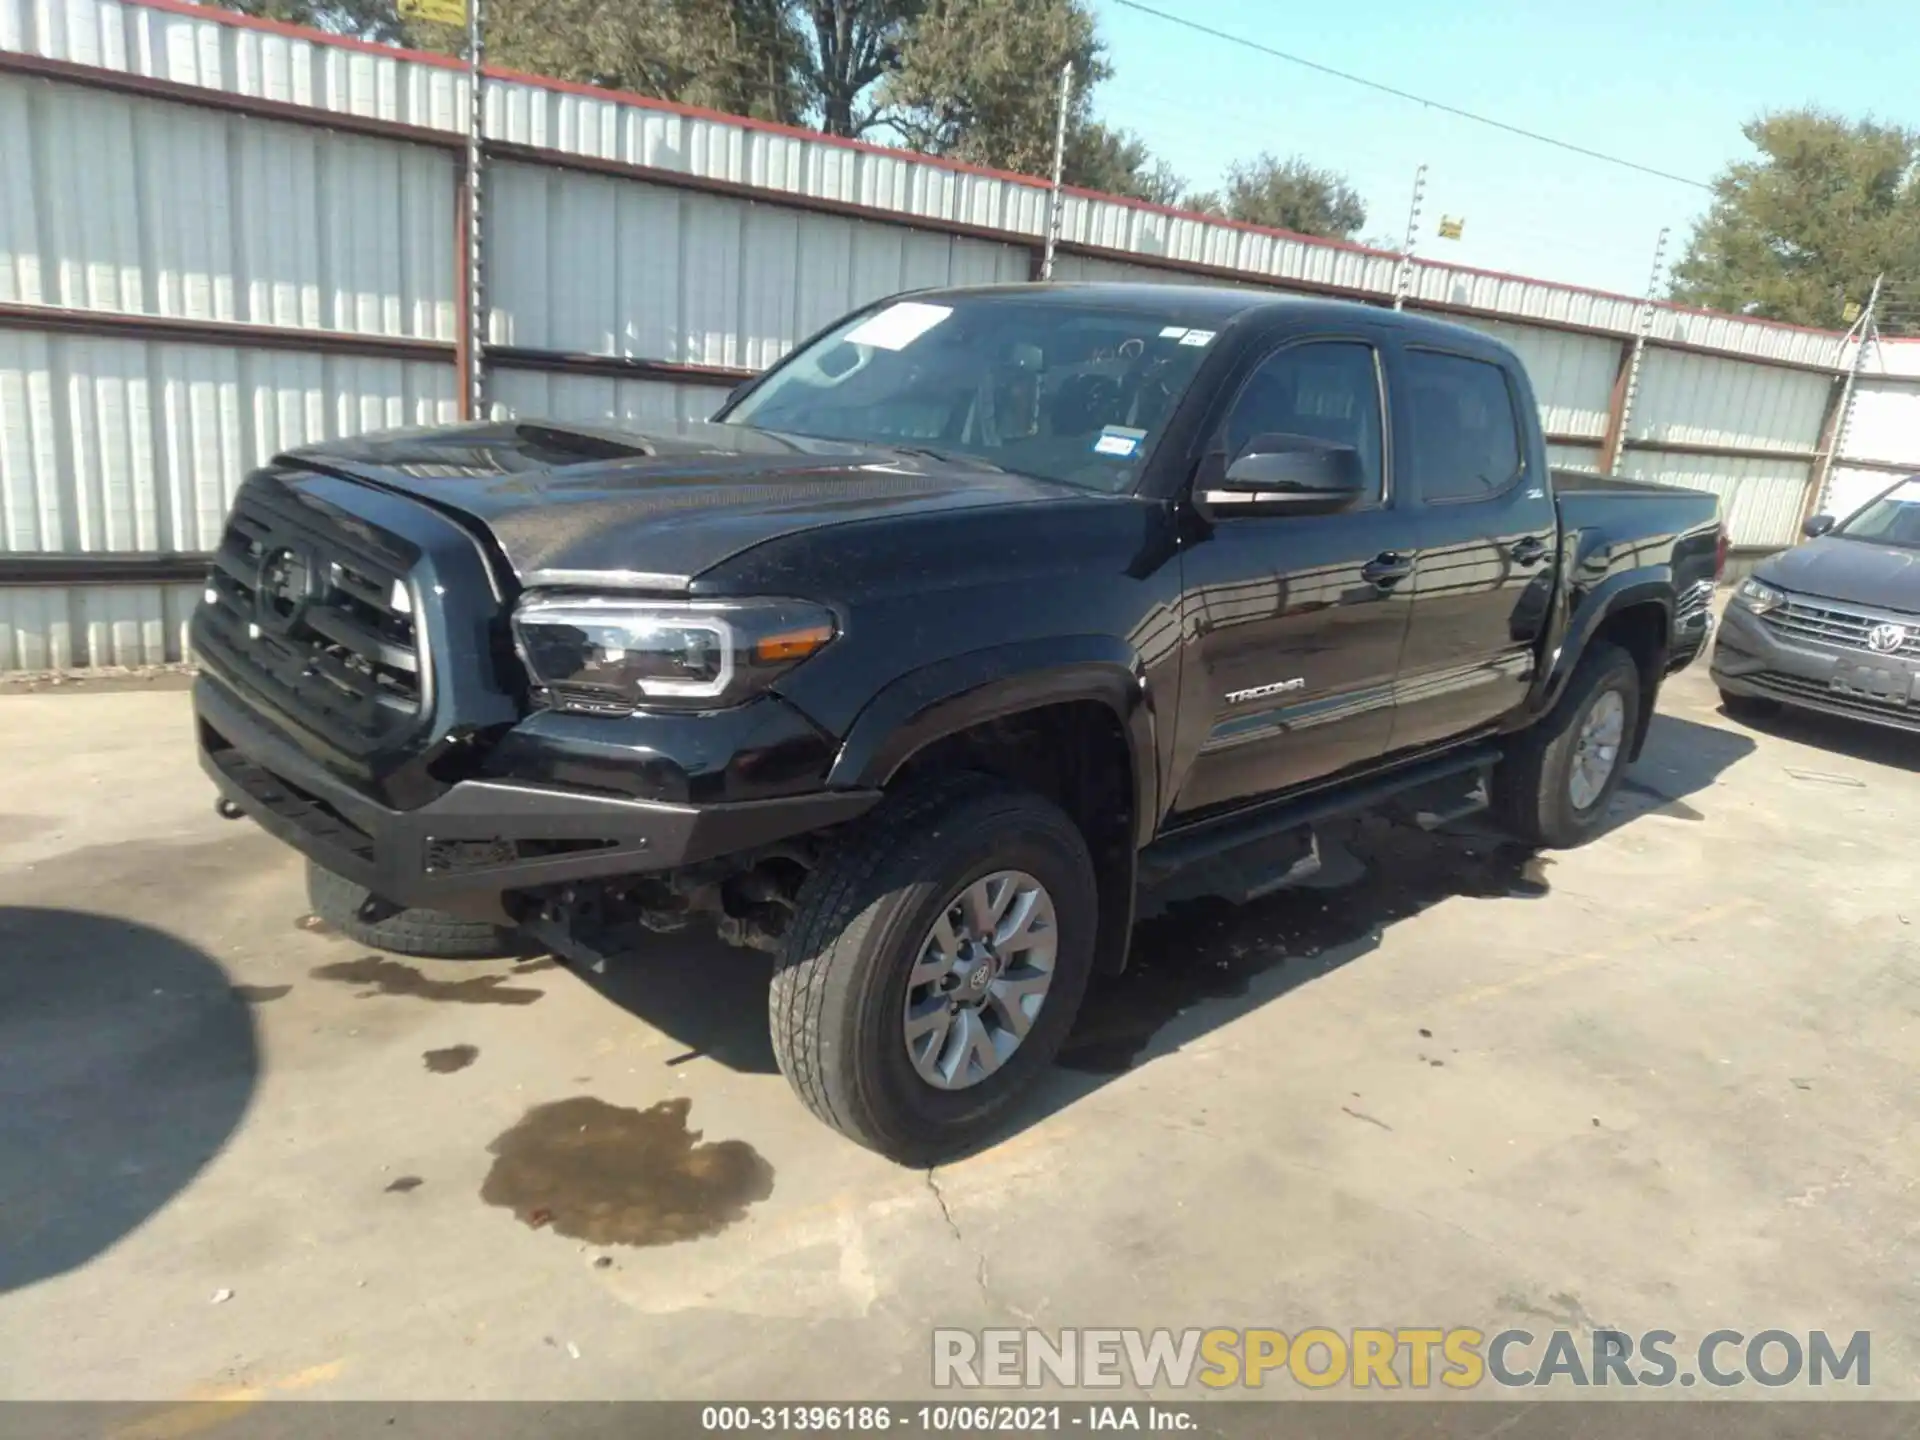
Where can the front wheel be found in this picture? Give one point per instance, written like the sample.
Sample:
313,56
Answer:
934,966
1554,784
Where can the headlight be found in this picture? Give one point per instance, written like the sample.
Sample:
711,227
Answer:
1758,596
611,657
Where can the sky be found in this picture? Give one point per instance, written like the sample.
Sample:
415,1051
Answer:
1665,84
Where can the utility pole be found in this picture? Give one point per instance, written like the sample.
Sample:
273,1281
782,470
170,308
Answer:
475,380
1640,334
1864,333
1403,282
1055,199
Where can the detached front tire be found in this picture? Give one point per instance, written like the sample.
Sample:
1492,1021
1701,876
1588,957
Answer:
934,966
355,912
1554,785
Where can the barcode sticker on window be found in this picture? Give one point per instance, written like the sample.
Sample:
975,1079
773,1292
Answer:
1118,440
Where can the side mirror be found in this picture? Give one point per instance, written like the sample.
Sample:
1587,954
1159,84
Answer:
1817,525
1293,472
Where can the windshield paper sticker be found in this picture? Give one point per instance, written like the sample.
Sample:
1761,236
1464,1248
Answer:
1197,337
897,326
1118,440
1173,332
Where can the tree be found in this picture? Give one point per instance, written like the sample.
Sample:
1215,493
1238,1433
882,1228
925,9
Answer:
973,79
1287,194
747,57
978,80
1799,231
1118,162
857,43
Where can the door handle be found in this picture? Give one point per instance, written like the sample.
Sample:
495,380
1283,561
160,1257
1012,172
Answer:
1530,550
1386,569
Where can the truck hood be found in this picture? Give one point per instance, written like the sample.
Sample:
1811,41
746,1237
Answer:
1886,577
577,505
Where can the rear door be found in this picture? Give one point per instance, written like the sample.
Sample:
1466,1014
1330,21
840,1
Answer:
1486,537
1297,620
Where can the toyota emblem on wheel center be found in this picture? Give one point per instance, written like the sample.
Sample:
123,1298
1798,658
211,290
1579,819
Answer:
1885,639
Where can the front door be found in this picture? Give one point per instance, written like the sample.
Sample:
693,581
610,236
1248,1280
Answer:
1296,621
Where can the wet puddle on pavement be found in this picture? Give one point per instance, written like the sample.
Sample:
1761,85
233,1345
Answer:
452,1058
259,994
383,976
613,1175
1212,950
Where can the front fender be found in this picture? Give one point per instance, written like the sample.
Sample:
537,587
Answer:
951,695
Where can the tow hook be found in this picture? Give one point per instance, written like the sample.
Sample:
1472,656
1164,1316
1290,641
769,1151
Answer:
227,810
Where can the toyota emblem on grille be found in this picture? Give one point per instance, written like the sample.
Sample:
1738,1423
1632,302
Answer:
285,586
1886,638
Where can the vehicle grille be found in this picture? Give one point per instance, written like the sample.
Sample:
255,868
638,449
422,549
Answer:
1816,693
331,642
1830,624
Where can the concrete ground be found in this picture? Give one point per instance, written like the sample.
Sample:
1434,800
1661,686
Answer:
1664,1081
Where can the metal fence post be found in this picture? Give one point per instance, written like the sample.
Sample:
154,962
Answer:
1403,281
1864,333
1641,332
1055,202
474,382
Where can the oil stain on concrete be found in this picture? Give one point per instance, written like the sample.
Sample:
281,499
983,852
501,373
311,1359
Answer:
613,1175
1376,872
405,1185
386,976
452,1058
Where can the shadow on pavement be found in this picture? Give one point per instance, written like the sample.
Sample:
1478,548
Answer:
709,996
713,999
126,1062
1859,739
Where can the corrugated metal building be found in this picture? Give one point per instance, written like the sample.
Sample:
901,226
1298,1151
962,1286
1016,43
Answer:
223,237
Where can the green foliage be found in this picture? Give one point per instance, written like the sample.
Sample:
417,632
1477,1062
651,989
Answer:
1287,194
1117,162
978,80
1805,227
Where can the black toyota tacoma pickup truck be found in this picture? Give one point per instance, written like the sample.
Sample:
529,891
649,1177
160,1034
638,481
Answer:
982,614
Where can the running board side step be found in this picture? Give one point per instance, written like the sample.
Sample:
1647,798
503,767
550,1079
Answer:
1210,839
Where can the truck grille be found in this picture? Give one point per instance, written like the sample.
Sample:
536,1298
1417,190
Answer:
1827,623
319,619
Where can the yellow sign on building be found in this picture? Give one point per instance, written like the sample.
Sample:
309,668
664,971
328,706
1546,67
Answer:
443,12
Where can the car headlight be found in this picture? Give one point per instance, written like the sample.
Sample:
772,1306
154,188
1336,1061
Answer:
1758,596
606,656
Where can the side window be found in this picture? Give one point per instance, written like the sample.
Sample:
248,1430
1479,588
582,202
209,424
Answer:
1466,441
1329,390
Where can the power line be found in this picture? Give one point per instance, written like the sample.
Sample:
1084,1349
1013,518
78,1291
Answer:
1385,89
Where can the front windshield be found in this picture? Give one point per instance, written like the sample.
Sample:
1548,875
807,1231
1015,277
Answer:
1893,519
1059,391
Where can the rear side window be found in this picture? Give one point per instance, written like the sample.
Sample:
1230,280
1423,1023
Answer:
1466,438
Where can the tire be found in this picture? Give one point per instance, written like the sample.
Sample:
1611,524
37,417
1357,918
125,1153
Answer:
428,934
1534,785
838,1004
1748,707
